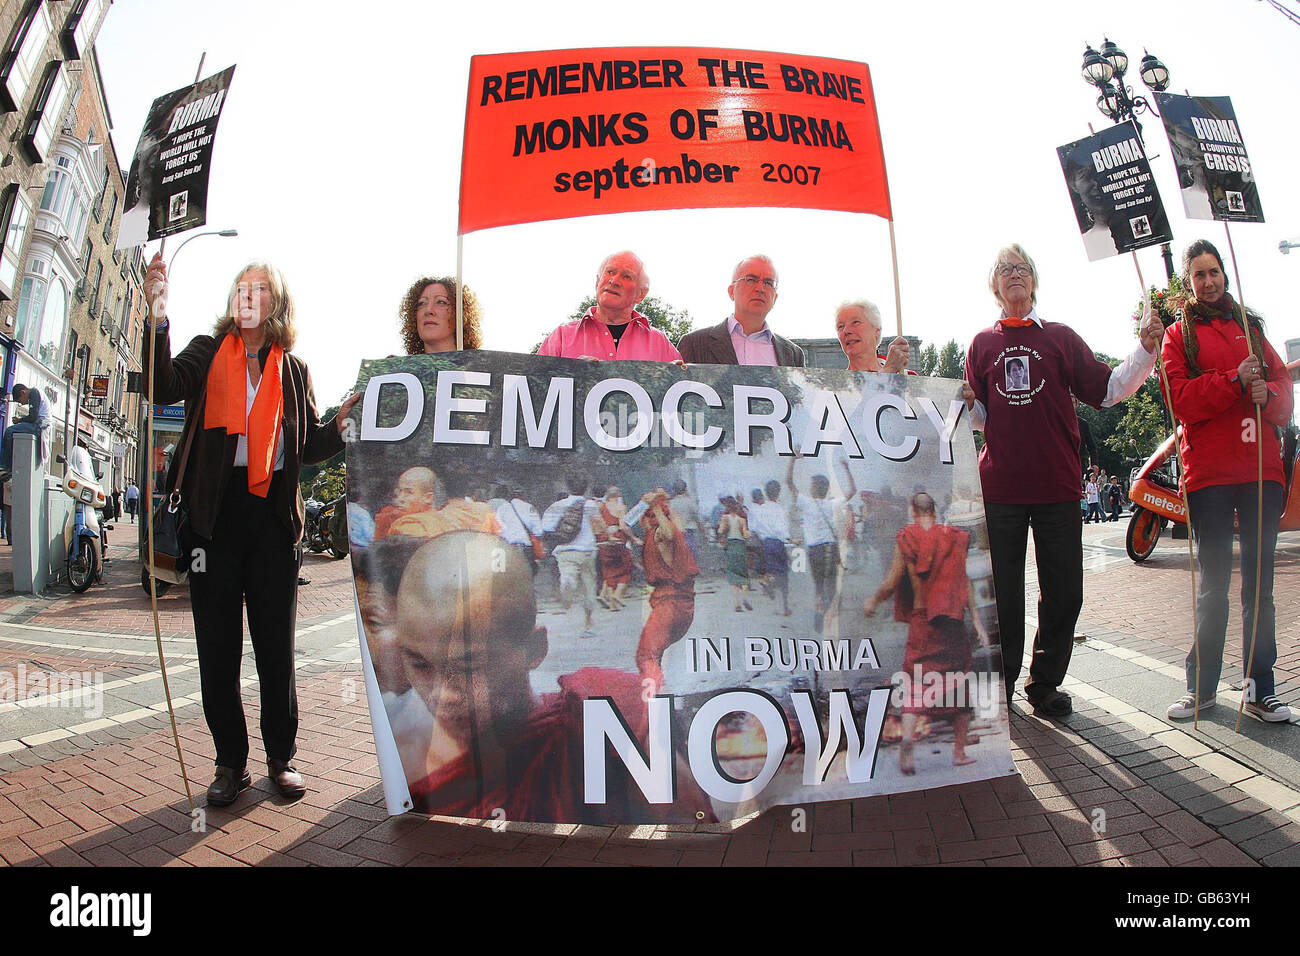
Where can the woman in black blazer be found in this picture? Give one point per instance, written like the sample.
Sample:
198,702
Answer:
251,407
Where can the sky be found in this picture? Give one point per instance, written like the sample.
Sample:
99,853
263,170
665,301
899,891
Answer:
338,159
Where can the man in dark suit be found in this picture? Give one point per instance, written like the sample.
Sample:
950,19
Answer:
744,338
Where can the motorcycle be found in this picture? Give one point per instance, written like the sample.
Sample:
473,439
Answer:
320,528
1157,502
84,537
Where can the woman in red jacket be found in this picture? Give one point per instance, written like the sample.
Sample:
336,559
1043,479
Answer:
1218,378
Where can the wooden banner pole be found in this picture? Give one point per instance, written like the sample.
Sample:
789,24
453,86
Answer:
1182,494
898,296
1259,504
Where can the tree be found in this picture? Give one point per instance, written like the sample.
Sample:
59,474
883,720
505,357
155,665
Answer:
1143,426
328,483
307,473
1145,421
950,361
929,359
663,316
945,362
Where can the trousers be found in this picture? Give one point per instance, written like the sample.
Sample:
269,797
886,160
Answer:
251,561
1058,547
1212,511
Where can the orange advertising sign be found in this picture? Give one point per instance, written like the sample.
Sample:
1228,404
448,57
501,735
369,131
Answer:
564,133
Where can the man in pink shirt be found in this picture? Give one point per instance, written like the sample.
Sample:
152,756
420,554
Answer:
745,338
612,328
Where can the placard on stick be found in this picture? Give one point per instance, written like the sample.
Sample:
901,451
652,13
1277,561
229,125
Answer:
167,187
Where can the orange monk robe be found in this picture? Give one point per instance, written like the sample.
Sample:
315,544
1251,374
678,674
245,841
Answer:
932,600
670,569
458,514
543,766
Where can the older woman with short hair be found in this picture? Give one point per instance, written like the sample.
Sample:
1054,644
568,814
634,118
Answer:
858,327
1022,372
428,316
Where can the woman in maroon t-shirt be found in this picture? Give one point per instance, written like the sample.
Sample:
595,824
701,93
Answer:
1022,373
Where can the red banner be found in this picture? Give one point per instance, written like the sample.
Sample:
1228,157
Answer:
564,133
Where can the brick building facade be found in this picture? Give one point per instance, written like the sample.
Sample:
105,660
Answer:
71,309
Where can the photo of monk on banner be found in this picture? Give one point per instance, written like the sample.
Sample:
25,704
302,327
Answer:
933,594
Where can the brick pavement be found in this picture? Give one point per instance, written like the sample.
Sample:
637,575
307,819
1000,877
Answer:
1097,791
1152,601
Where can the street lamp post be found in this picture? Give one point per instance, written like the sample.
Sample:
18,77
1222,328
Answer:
1117,101
189,239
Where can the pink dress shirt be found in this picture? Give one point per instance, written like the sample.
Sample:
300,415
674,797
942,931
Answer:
756,349
590,336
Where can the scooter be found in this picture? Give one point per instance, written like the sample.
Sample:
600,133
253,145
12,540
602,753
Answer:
316,530
83,532
1156,502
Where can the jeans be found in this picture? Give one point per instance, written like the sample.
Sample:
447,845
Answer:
1211,513
7,442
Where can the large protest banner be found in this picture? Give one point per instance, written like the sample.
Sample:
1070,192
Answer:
1113,192
167,186
1214,171
795,600
562,133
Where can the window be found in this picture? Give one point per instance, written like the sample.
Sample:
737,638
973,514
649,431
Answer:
53,322
80,28
104,313
47,112
94,296
57,188
31,300
108,221
22,62
15,214
99,200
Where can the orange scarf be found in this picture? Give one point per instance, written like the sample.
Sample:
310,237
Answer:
1012,322
227,407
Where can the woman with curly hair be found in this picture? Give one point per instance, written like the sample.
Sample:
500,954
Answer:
428,317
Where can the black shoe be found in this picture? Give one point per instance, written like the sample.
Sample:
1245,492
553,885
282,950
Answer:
1052,703
288,782
302,580
225,788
